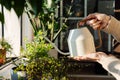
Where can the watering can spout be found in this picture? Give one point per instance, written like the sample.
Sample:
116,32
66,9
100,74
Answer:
63,53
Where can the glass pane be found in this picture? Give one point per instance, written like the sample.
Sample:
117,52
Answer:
92,6
77,9
106,6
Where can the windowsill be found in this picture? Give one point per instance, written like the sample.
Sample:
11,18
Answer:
8,62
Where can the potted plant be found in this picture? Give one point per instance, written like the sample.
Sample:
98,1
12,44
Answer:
47,68
42,15
39,65
44,68
4,47
19,72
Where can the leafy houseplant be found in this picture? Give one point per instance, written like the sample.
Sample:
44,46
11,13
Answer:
45,68
42,15
4,47
40,66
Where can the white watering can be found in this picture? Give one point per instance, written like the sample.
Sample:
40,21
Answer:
80,42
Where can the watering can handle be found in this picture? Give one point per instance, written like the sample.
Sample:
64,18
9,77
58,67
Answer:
100,40
99,33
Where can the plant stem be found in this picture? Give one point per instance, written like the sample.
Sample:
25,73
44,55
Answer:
32,22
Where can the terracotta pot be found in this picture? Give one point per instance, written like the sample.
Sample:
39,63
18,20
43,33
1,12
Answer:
2,56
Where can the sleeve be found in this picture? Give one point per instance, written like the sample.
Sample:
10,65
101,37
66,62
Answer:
112,65
113,28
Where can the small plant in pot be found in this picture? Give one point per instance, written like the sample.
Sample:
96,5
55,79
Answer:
4,47
19,72
39,65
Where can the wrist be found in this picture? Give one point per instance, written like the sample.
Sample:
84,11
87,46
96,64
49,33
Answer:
106,58
106,21
108,18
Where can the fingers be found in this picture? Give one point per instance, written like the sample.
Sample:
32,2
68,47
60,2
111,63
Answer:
90,57
78,58
96,21
81,23
89,17
95,24
81,58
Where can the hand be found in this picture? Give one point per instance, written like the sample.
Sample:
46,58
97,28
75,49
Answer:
96,20
92,56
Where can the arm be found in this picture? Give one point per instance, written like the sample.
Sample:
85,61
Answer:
111,64
113,28
103,22
109,25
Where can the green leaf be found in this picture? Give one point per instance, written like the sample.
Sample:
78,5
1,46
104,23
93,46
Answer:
7,3
36,6
19,6
1,17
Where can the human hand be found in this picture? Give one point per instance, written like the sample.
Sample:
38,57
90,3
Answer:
92,56
96,20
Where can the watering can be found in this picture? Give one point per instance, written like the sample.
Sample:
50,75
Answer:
80,42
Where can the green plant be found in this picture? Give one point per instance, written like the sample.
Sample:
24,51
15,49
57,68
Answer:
42,15
40,65
44,23
37,48
1,77
45,68
4,45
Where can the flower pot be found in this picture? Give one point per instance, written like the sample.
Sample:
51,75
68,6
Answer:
2,56
18,75
53,53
